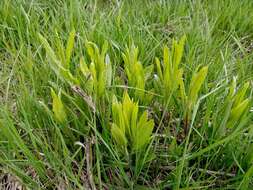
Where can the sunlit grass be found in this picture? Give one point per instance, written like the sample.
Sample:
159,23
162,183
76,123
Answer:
126,94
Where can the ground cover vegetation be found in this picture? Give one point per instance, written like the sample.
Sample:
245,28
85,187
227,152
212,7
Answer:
126,94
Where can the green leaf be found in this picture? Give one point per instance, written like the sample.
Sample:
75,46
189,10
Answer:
100,67
58,108
136,74
166,58
125,120
69,47
56,65
66,75
118,135
232,89
167,73
84,68
90,51
158,68
148,71
60,50
49,50
143,131
87,75
182,88
178,51
241,93
108,70
128,105
133,121
104,49
117,114
237,112
195,85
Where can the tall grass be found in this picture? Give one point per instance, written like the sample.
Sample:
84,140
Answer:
126,94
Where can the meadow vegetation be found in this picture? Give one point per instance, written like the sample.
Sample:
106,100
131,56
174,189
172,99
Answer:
126,94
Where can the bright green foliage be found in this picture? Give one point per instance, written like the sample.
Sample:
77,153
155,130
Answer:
110,147
64,54
86,73
58,108
118,135
129,128
169,74
234,108
69,48
237,111
239,103
197,80
170,77
189,99
98,74
137,75
60,60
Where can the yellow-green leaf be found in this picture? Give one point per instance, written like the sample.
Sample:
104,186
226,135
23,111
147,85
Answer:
58,108
241,93
158,68
49,50
69,48
179,48
196,83
118,135
237,112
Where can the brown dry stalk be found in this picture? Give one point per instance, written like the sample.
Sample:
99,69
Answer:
85,97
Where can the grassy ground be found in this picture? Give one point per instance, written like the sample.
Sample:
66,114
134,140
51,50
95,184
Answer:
75,115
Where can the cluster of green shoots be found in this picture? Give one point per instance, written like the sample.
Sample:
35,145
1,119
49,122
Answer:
131,126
